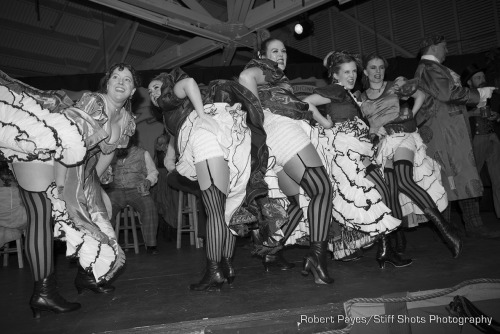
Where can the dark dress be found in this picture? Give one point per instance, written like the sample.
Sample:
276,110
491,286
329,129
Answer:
391,111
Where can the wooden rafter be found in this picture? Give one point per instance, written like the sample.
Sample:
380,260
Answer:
180,54
110,42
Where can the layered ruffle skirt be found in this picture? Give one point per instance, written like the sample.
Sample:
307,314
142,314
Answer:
230,139
30,132
426,173
357,205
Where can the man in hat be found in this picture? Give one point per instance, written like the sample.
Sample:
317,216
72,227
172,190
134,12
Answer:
443,128
485,141
134,173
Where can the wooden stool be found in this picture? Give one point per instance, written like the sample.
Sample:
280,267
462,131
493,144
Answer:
127,216
18,249
187,207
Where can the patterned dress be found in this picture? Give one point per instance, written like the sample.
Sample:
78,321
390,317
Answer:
43,126
239,138
390,110
346,149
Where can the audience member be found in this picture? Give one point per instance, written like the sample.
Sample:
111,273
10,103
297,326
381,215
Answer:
485,142
134,173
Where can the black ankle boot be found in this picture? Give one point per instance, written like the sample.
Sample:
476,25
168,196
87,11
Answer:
276,261
84,280
228,269
315,263
386,254
447,231
212,280
46,298
399,241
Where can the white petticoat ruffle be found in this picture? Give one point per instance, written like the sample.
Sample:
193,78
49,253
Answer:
103,257
233,138
29,132
357,204
426,172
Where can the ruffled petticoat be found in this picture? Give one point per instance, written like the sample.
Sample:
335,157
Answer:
230,140
95,247
357,205
29,132
426,173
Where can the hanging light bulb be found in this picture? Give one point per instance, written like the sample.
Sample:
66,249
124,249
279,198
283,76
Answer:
303,28
299,29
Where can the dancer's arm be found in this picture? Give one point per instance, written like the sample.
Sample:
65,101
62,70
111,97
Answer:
189,88
419,98
325,122
103,163
251,78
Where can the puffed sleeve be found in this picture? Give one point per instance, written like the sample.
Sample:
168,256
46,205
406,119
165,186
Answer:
88,113
93,105
270,69
336,93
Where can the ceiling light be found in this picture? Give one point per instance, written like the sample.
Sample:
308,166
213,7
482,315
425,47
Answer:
303,28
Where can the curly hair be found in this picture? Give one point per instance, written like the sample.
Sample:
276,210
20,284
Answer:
120,67
335,59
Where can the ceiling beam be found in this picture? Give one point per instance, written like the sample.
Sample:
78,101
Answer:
6,24
403,51
166,21
227,55
237,10
110,42
174,10
129,42
181,54
80,66
197,7
273,12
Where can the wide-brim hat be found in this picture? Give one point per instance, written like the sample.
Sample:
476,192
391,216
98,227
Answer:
470,71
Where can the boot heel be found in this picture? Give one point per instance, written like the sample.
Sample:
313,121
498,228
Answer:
36,313
306,267
381,264
230,280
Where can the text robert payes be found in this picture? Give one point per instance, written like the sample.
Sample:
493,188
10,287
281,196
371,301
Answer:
376,319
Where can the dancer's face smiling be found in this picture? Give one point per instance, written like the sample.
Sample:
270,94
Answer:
347,74
276,51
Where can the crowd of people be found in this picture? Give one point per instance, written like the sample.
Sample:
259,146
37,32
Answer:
338,170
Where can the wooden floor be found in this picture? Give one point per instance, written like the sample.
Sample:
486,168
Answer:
152,293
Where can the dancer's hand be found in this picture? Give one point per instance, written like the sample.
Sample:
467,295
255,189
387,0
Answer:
209,124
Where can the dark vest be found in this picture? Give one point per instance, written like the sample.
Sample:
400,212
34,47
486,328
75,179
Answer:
129,172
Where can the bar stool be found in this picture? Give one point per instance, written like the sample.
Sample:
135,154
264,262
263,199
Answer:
187,218
6,250
125,221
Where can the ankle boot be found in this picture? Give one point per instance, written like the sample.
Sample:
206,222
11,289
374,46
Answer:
46,298
446,230
386,254
277,261
399,241
228,269
315,263
84,280
212,280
